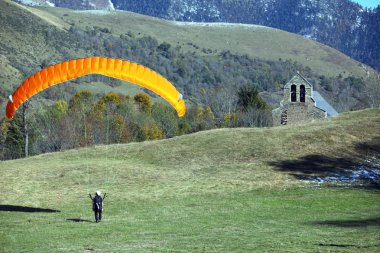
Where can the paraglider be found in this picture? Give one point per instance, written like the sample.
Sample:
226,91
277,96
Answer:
116,68
97,205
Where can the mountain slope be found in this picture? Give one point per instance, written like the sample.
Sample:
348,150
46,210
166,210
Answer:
255,41
340,24
35,37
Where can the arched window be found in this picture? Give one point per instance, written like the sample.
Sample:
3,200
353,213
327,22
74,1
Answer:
293,93
302,93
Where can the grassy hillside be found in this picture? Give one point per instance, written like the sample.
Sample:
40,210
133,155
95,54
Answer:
255,41
226,190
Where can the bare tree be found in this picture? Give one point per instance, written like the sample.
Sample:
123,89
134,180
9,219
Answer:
223,102
25,107
255,117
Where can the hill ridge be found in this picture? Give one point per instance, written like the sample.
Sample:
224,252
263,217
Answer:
245,44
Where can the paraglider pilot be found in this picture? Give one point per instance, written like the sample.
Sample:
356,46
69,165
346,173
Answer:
97,205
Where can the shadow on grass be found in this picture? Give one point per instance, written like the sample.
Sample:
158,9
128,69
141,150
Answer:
337,245
363,168
27,209
350,223
369,147
316,165
347,245
78,220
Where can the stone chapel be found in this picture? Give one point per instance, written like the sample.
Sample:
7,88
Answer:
297,104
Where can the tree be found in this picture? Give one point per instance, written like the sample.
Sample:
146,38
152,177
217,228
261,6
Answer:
223,102
114,123
118,131
184,127
80,107
4,125
143,100
110,101
13,140
52,128
254,110
165,118
208,118
25,107
230,120
255,118
153,132
248,97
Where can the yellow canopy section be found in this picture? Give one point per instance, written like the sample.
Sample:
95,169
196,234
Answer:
116,68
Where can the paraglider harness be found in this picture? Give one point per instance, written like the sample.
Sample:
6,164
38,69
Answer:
97,202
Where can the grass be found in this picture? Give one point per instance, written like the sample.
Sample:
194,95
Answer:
213,191
290,220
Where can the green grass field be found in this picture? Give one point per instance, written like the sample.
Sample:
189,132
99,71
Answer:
214,191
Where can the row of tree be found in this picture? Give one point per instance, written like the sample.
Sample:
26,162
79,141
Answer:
87,119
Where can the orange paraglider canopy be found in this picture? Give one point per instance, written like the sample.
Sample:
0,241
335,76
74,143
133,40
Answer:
116,68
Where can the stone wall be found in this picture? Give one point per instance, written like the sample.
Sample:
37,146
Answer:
296,112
